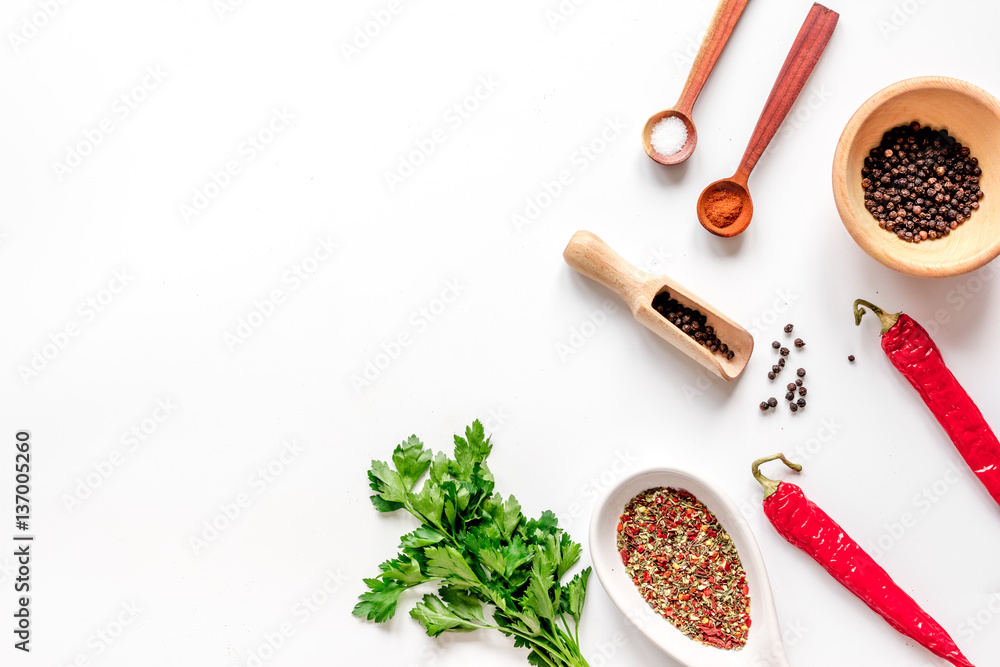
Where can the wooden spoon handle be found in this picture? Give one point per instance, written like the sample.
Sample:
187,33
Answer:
721,27
808,47
594,258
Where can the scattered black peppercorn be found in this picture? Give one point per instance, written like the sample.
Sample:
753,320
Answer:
850,358
920,183
773,402
692,322
794,403
763,406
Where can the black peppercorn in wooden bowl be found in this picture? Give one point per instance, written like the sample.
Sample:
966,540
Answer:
964,235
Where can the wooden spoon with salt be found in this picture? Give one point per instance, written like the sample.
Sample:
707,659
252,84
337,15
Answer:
725,207
721,27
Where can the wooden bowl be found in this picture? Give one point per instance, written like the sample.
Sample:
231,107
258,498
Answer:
972,116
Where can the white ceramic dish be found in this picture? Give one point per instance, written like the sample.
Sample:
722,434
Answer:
763,648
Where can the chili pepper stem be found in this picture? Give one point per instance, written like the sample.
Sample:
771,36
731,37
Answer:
770,485
888,320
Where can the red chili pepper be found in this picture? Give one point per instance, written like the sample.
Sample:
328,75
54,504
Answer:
809,528
914,354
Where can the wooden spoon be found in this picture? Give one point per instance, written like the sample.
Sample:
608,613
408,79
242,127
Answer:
808,47
719,30
595,259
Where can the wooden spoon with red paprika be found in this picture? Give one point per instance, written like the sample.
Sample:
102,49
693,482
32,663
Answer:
913,353
803,524
725,207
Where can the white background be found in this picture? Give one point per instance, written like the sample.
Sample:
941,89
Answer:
566,424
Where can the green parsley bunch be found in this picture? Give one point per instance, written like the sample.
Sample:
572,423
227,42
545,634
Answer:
480,549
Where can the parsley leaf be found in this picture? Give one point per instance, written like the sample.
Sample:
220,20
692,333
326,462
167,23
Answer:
437,617
472,449
379,603
537,597
467,606
390,491
577,591
404,570
506,516
421,537
411,460
429,505
447,563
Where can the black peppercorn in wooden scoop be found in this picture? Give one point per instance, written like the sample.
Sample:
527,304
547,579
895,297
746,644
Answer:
594,258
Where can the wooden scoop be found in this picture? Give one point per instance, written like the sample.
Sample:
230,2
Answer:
595,259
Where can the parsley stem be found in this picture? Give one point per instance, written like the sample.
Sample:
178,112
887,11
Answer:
555,646
566,657
569,633
542,656
571,637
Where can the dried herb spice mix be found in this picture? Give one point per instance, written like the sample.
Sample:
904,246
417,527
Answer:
686,566
920,183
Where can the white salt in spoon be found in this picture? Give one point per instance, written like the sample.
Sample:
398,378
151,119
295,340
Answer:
763,648
719,30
